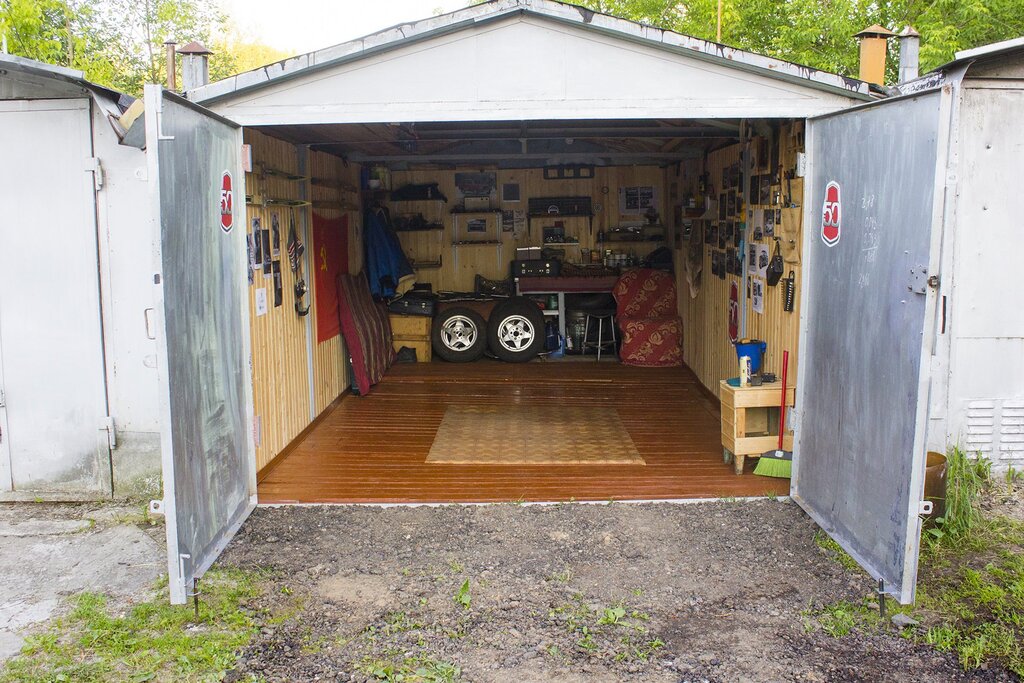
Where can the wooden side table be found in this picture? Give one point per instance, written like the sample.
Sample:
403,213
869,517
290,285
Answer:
750,421
412,331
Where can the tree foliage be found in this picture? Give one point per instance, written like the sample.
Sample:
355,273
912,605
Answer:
819,33
119,43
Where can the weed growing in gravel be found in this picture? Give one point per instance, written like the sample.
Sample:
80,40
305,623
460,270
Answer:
455,566
563,576
421,669
614,632
154,640
463,596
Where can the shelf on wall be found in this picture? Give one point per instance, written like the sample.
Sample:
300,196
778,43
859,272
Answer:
435,199
327,204
482,212
278,173
272,201
426,265
425,228
475,243
334,184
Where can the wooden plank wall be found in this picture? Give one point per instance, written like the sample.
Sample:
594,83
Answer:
492,262
706,345
280,364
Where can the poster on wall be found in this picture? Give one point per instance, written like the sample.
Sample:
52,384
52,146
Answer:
757,295
275,236
477,185
268,260
329,260
261,301
250,257
761,268
278,297
637,200
257,244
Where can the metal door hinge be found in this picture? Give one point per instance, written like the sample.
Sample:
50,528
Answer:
108,426
933,281
919,279
92,165
3,399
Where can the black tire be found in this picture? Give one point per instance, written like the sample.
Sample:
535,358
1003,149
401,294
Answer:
515,330
459,335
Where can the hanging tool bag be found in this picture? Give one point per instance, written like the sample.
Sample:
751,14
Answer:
414,303
776,268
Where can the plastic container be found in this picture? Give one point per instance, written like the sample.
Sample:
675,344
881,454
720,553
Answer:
935,486
753,348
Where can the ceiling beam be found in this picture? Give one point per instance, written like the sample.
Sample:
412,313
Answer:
552,158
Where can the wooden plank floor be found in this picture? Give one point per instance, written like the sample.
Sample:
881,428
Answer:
373,448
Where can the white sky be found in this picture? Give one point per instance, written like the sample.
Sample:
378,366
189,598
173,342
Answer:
299,26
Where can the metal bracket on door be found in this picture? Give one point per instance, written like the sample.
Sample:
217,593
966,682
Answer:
3,399
919,280
92,165
159,122
107,425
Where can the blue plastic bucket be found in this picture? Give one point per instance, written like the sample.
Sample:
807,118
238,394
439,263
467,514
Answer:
754,348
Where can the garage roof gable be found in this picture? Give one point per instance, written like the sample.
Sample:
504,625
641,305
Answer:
525,59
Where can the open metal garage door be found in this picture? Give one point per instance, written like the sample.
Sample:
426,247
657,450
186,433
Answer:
875,194
203,331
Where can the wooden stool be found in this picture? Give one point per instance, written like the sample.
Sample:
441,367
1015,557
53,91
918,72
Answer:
748,421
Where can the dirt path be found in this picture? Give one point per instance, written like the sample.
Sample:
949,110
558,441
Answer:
621,592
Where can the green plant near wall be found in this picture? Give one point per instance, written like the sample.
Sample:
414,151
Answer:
967,478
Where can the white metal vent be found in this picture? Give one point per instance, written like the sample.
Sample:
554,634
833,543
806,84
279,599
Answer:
996,428
1011,430
981,420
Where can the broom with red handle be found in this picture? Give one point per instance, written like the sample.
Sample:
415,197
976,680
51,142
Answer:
778,463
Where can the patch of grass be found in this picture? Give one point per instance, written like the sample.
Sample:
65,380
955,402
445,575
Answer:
456,566
564,576
967,479
614,632
970,595
153,641
412,669
835,551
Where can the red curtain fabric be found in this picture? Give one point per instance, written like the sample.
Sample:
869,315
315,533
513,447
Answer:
367,331
652,331
330,259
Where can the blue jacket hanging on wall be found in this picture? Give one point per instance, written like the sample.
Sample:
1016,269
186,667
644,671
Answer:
386,263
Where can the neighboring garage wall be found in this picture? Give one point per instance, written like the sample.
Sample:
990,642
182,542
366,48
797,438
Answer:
283,375
459,265
126,278
706,345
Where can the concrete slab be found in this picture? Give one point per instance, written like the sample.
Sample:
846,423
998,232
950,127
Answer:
50,552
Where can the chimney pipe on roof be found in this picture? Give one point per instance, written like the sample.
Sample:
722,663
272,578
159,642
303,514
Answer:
873,47
910,51
195,66
172,82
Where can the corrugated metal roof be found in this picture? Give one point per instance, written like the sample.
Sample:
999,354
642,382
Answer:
403,34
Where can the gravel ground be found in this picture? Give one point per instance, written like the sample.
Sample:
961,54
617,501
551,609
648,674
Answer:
621,592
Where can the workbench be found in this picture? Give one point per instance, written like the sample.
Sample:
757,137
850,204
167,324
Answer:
560,286
750,421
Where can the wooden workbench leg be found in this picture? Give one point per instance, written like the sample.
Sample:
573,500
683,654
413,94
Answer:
738,463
